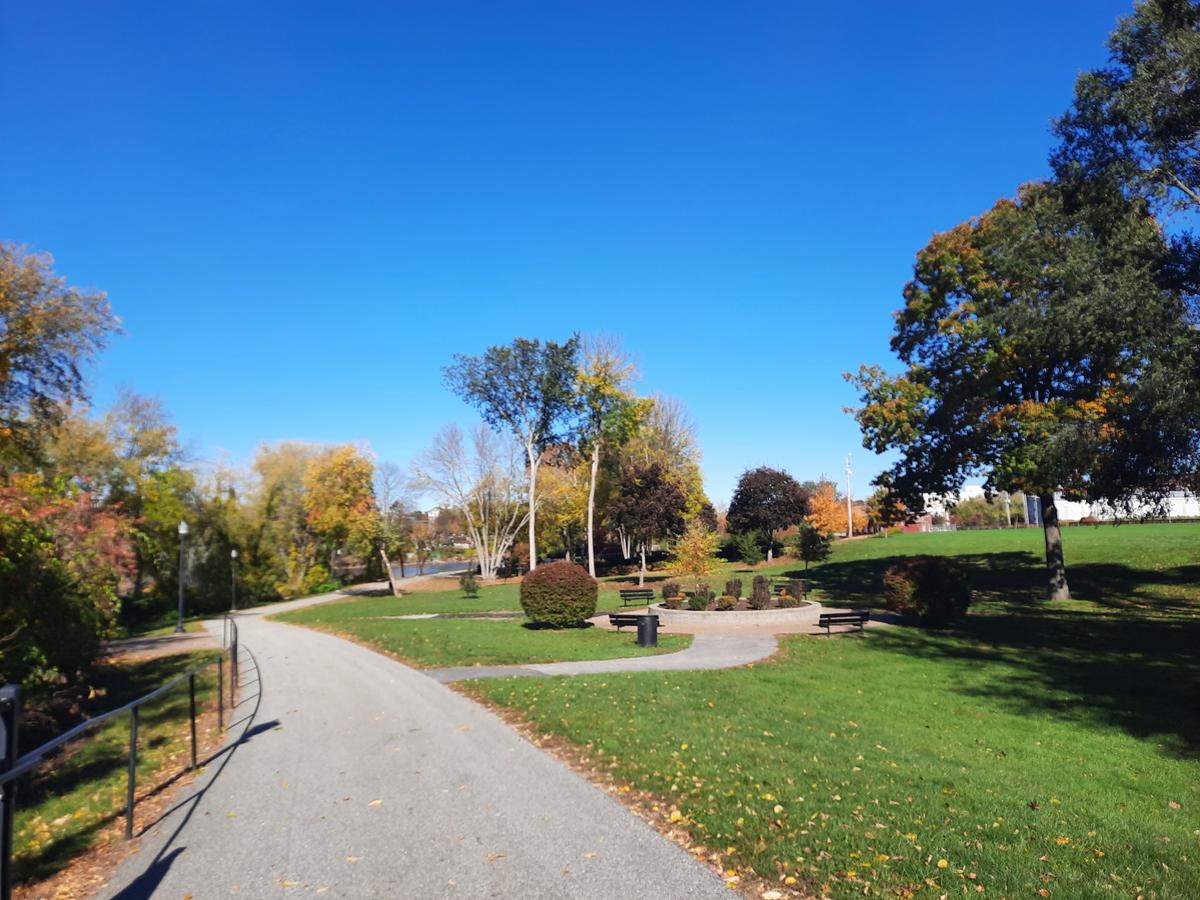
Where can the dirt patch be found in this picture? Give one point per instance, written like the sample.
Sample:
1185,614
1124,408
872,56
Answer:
160,645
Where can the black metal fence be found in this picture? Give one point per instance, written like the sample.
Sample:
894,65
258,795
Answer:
12,769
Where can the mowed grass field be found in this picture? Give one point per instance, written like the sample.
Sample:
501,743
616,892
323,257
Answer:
431,643
1037,749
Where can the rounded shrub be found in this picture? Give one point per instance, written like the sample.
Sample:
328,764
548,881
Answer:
670,590
726,602
700,599
559,594
934,589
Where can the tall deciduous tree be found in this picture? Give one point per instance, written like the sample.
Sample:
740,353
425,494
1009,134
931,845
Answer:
826,509
1041,352
528,389
649,506
611,415
339,499
667,437
1137,120
48,332
393,536
766,500
483,482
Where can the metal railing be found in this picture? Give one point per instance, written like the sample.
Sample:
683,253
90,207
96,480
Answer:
13,769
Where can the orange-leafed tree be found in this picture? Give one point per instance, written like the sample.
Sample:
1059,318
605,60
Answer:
827,511
339,499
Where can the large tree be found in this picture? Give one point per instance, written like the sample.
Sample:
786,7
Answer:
1137,120
528,389
766,500
48,332
1041,352
482,482
610,415
339,500
648,506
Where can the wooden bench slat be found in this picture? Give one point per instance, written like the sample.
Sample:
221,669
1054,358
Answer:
622,619
858,617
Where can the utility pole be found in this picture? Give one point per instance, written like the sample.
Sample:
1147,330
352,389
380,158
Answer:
849,503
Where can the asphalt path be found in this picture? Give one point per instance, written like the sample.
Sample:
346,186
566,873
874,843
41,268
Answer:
348,774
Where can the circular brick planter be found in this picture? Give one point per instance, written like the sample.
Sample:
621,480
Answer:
682,618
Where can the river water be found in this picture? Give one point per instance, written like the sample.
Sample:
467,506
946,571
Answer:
430,568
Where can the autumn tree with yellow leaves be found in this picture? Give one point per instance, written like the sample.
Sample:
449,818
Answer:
1045,349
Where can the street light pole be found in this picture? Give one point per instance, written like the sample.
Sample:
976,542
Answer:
183,530
849,503
233,577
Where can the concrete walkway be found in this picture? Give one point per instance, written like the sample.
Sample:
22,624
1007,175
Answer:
707,651
351,775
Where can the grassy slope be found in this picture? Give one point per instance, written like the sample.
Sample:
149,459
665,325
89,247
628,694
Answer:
468,642
69,806
1068,733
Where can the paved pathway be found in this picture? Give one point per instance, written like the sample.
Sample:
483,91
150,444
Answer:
707,651
355,776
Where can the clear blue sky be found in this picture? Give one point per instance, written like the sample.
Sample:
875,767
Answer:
301,210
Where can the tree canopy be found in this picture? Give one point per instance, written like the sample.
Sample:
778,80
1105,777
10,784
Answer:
1135,121
1039,343
766,500
48,331
527,388
649,505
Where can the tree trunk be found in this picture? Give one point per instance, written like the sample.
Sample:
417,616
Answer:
387,567
139,574
626,545
533,467
642,573
401,563
592,511
1056,567
770,545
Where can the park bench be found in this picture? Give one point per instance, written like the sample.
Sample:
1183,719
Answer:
858,617
637,597
780,586
622,619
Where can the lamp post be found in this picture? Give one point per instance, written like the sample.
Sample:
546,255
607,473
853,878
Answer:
849,502
183,530
233,577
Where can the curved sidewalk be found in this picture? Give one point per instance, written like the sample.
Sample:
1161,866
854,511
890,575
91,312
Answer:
708,651
353,776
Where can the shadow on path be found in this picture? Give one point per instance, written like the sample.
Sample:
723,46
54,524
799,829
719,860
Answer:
147,882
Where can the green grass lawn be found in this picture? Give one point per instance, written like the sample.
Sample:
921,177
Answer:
1035,747
430,643
77,796
1154,566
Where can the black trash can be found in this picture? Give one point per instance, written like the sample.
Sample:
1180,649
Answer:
647,631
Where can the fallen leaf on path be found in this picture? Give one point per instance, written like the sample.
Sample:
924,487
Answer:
376,803
492,857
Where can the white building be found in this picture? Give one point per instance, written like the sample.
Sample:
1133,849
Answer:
1178,505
